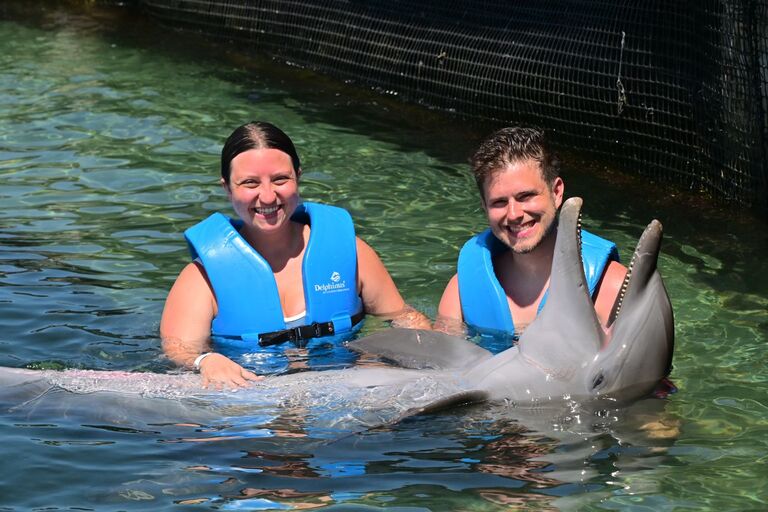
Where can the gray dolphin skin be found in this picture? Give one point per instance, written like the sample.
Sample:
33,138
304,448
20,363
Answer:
563,356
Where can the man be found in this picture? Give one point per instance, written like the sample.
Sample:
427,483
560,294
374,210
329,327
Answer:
503,273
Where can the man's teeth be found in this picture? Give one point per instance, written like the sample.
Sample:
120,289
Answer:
518,228
267,211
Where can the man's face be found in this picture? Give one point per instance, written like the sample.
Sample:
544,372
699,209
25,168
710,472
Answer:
521,208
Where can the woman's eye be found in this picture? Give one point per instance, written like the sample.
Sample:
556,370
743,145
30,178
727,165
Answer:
281,180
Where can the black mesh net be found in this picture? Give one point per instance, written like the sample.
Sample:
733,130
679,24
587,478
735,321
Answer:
675,91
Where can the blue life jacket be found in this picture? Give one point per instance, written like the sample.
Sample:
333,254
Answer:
245,287
483,301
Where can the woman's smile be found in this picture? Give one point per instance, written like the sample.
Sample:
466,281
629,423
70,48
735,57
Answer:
267,211
263,188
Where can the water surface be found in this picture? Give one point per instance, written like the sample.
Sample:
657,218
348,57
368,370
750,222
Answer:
109,146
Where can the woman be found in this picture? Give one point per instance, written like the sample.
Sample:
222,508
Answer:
286,271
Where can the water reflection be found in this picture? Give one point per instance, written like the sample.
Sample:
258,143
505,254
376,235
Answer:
536,460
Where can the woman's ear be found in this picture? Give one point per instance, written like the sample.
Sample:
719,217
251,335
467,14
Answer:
298,174
225,186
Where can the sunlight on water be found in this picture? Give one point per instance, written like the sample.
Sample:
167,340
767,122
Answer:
109,147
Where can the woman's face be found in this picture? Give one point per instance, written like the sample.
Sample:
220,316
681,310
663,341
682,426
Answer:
263,188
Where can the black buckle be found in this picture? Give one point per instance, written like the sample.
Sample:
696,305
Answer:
277,337
316,330
299,335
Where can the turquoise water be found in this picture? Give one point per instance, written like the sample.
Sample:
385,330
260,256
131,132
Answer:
109,140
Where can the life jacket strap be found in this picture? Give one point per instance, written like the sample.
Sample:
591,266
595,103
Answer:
299,335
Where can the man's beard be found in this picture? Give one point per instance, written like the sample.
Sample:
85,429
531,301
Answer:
550,230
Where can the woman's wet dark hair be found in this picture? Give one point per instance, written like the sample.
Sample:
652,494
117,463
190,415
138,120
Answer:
256,135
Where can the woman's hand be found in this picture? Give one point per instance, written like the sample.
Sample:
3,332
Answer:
220,372
410,318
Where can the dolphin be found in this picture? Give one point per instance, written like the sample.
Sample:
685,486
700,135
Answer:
564,356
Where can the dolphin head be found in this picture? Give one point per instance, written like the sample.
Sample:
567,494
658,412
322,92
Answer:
566,352
640,343
627,360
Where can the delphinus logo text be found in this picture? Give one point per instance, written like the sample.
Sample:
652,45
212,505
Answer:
335,284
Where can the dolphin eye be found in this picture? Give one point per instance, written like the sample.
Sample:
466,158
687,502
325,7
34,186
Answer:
597,381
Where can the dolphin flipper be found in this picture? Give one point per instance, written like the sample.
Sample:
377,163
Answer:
421,349
448,402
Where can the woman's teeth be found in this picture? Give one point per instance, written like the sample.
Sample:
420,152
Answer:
267,210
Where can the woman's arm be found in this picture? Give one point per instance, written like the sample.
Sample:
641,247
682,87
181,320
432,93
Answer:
450,319
185,326
379,292
185,330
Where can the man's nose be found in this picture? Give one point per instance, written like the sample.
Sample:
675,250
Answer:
514,210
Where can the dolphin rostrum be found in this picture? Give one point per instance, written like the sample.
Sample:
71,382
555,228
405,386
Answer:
563,356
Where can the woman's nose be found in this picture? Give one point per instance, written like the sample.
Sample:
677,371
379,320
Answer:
267,193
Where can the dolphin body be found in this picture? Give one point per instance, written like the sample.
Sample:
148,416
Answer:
564,356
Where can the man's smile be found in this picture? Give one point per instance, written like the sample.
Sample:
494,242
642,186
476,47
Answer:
521,230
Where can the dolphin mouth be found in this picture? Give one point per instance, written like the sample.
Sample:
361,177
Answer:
623,290
646,251
616,308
